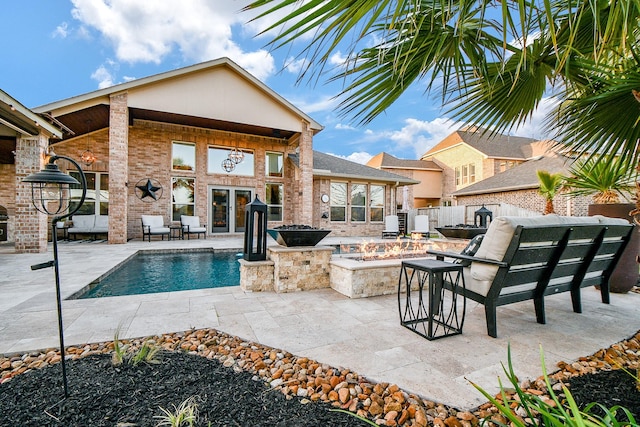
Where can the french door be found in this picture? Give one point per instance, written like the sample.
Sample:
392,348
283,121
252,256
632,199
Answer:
227,209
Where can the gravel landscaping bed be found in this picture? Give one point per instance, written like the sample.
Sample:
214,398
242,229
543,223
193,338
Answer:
238,383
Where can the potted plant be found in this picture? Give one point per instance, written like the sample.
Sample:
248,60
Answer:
610,180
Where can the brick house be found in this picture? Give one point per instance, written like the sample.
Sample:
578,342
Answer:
177,130
468,156
519,186
426,193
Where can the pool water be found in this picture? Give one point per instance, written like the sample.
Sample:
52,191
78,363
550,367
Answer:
147,273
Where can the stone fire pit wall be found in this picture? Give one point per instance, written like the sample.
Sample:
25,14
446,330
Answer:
288,269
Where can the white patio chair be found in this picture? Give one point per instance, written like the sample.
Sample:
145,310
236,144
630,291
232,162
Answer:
391,226
421,225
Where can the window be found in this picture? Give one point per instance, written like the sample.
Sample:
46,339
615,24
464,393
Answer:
376,212
183,156
358,202
465,174
338,201
217,155
275,195
182,197
274,164
96,201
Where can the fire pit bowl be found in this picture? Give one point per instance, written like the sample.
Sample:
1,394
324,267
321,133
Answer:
297,235
461,231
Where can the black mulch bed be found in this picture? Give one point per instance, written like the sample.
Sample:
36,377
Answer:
104,395
609,388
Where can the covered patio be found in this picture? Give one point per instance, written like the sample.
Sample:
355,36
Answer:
363,334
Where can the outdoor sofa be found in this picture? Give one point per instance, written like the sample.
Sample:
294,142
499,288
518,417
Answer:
88,224
528,258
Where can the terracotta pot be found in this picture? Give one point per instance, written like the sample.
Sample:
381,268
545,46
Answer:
625,275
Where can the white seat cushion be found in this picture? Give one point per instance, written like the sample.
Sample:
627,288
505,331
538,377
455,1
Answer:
421,224
84,222
159,230
153,221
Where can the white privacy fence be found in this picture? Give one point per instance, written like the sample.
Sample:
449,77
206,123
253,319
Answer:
454,215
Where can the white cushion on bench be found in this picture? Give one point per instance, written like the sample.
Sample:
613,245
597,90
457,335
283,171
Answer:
499,235
82,224
101,224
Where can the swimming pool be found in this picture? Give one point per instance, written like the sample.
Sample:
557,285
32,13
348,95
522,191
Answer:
147,273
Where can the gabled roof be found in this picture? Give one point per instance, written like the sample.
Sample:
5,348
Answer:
521,177
216,90
326,165
387,161
496,146
18,118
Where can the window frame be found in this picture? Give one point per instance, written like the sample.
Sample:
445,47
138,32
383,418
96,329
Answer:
333,206
187,167
379,207
271,206
353,207
176,212
267,164
98,201
249,157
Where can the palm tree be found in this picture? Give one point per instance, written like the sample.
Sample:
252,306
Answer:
490,62
550,184
608,180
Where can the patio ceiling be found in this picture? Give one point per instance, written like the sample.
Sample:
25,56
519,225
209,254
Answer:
97,117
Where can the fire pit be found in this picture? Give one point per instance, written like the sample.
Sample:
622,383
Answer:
297,235
461,231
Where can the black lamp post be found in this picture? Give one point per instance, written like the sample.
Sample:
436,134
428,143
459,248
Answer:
50,194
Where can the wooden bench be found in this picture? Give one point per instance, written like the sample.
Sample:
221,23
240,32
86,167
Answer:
529,258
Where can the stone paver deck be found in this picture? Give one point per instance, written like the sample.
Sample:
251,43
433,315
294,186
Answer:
362,334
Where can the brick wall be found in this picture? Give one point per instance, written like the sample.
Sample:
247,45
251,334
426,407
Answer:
30,226
118,167
532,200
8,196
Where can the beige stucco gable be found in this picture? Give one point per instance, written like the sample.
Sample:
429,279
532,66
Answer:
218,93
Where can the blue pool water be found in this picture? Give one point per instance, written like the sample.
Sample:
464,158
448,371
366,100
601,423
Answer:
150,273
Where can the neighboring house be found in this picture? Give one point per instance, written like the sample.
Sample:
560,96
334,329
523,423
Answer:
519,186
178,129
468,156
352,199
429,175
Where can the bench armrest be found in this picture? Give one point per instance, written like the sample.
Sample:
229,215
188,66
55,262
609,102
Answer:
441,255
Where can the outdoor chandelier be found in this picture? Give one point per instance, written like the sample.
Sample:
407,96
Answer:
236,156
228,165
87,157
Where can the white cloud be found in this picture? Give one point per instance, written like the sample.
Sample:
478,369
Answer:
103,76
148,31
323,103
294,66
341,126
361,157
419,135
61,30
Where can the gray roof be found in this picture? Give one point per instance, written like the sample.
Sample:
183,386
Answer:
497,146
389,161
326,165
521,177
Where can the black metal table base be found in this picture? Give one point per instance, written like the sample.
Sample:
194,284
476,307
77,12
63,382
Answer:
430,310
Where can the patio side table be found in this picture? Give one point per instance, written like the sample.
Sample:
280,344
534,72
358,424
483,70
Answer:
431,311
175,232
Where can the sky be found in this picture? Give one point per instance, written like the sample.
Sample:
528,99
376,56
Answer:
56,49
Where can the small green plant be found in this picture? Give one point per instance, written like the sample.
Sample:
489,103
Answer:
119,351
147,353
555,413
185,414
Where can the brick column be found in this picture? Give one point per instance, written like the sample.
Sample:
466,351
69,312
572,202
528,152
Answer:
31,226
118,167
305,213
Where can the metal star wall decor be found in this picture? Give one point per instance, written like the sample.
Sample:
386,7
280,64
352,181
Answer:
151,188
